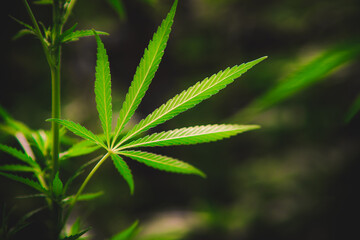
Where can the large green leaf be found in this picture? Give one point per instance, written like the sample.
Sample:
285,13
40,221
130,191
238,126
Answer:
162,162
190,97
124,171
80,131
145,72
19,155
103,89
25,181
190,135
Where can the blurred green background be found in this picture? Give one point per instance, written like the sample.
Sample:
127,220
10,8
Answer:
295,178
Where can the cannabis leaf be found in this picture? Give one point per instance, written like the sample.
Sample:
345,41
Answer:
117,147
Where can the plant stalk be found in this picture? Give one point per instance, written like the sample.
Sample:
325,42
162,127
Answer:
83,185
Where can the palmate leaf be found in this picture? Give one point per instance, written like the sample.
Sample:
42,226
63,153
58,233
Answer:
190,135
189,98
103,89
25,181
80,131
19,155
145,71
124,171
162,162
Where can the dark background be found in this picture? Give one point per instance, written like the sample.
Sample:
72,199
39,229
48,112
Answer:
295,178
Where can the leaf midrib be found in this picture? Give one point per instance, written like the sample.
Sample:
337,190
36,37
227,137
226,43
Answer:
152,160
178,137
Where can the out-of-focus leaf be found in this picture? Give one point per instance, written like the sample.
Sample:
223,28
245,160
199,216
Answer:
353,110
76,236
119,8
16,168
25,181
76,35
312,72
22,33
126,234
44,2
85,196
57,185
19,155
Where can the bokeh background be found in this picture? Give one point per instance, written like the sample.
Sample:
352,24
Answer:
295,178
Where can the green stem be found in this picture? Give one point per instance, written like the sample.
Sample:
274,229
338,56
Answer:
83,185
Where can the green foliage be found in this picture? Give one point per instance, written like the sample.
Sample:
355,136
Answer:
80,131
306,75
353,110
25,181
145,72
162,162
103,89
190,135
128,233
76,35
189,98
124,171
180,103
119,8
42,153
19,155
57,186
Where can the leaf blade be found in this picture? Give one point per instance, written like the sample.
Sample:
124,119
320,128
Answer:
124,170
75,35
126,234
161,162
19,155
25,181
189,98
190,135
103,88
145,72
79,130
16,168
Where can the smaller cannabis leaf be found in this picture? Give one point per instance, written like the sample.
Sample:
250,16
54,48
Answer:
118,147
